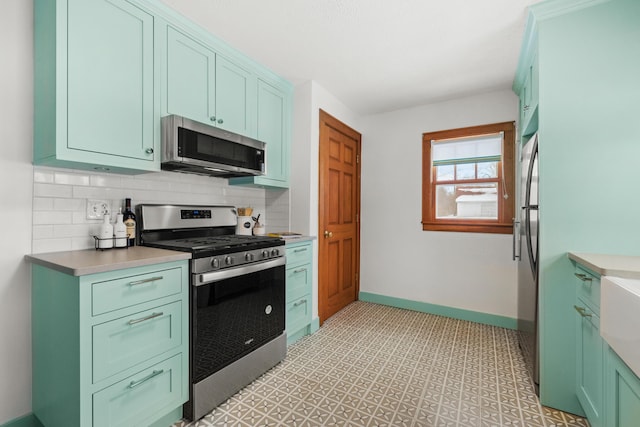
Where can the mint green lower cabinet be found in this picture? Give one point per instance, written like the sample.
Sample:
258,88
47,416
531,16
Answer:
623,393
299,280
110,349
138,398
589,363
95,86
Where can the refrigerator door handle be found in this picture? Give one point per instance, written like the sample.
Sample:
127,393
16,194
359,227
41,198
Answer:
516,238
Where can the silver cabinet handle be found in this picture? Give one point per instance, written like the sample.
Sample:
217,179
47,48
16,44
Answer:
149,151
582,311
302,301
140,282
583,277
149,317
220,121
300,250
155,373
213,118
300,270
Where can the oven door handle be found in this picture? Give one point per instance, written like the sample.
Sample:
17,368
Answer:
215,276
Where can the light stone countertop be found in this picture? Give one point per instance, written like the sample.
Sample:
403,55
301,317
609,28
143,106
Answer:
299,239
625,266
90,261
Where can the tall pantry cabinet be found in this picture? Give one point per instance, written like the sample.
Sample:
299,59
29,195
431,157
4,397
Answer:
584,56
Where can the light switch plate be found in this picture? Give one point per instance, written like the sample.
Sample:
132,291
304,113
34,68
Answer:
97,209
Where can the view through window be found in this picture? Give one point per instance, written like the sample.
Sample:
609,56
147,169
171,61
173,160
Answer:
468,179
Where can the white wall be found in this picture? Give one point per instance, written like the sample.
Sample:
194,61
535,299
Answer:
16,182
470,271
309,99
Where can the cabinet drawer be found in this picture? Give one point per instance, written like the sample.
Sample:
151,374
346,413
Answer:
588,288
298,281
299,255
298,314
127,291
137,399
127,341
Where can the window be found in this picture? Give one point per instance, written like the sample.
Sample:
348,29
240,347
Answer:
468,179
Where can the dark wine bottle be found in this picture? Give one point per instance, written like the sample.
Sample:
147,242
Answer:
130,221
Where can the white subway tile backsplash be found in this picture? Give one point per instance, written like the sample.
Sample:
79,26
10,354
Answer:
69,204
106,181
52,190
42,231
42,204
51,245
71,178
52,217
43,176
60,197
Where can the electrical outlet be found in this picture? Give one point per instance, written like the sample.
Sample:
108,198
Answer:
97,209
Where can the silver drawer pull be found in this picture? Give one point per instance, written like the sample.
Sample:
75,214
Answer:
155,373
583,277
302,301
582,311
300,270
151,279
300,250
149,317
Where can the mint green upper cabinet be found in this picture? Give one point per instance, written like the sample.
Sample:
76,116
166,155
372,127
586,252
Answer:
235,98
204,86
190,85
274,128
95,86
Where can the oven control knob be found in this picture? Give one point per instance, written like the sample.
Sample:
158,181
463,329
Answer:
275,252
265,254
228,260
248,256
215,263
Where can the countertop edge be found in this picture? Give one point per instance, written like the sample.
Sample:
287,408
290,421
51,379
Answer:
624,266
92,261
299,239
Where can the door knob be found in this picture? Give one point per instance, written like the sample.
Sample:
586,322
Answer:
328,234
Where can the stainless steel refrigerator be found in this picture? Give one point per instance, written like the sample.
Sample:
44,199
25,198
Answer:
526,252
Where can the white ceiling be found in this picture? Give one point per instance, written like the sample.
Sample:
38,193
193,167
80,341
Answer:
375,55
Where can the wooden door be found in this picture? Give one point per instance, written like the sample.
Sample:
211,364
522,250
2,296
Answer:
339,213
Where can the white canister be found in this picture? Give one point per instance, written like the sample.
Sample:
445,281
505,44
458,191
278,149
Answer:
244,226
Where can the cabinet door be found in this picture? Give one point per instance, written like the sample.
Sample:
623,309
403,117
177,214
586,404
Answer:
191,74
235,98
589,363
272,129
110,94
623,393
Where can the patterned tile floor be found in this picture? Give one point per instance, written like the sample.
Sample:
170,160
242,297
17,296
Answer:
372,365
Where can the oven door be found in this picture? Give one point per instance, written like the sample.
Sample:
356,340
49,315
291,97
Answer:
233,312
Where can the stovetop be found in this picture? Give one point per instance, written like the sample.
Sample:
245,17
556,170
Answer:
217,245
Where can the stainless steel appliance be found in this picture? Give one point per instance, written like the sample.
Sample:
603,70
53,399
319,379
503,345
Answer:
526,251
237,298
193,147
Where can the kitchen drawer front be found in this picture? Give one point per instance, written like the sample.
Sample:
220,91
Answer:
298,314
127,341
588,288
298,281
137,400
131,290
299,254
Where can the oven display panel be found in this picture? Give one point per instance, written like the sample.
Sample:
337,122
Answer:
195,213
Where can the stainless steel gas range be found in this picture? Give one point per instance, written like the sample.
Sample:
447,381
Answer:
237,298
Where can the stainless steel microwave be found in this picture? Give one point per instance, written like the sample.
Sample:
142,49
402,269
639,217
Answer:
194,147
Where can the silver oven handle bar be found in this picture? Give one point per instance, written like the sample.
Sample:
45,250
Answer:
216,276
